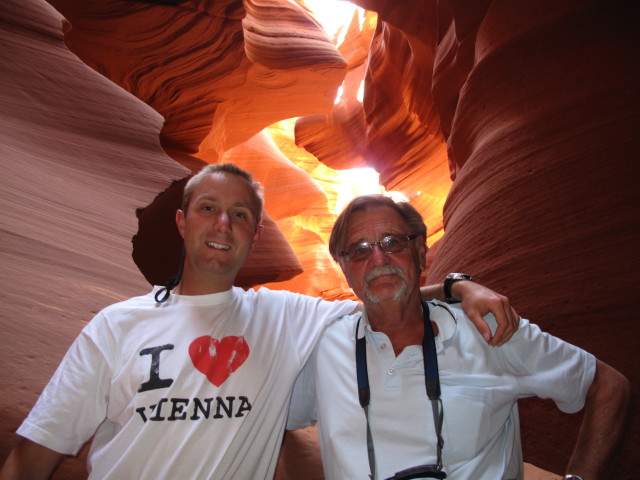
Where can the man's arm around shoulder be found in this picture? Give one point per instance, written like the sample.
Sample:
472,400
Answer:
30,461
477,301
603,424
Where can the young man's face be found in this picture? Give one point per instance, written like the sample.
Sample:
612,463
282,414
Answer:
382,276
219,230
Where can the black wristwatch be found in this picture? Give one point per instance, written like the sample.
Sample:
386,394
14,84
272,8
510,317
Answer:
573,477
449,280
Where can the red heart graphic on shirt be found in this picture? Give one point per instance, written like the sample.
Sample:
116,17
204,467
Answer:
218,359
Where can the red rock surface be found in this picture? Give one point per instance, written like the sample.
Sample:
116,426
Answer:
530,107
545,202
78,156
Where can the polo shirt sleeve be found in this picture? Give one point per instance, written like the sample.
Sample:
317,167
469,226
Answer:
548,367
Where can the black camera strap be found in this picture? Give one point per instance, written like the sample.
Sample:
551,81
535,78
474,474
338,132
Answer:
432,383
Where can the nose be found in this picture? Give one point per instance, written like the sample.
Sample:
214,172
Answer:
378,257
223,222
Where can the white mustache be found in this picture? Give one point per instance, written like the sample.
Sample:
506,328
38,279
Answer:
376,272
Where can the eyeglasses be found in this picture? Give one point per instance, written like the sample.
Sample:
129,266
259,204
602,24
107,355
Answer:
356,252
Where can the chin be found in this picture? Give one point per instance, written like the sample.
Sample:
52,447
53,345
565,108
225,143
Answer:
397,294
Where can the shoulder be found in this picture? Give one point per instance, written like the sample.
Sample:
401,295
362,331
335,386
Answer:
123,312
267,297
343,329
295,300
438,308
349,320
141,301
264,292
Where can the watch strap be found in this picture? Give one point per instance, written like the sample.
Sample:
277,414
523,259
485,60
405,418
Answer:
449,280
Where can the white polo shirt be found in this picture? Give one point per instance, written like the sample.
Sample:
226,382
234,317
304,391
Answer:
480,385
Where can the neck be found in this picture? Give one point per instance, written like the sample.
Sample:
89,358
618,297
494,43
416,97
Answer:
401,321
194,285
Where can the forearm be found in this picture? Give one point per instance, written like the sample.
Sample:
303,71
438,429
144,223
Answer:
30,461
477,301
431,292
603,424
459,290
436,291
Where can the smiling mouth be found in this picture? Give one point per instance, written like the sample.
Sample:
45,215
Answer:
217,246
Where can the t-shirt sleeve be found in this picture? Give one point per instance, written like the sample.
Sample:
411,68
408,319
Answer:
74,402
302,410
309,317
549,367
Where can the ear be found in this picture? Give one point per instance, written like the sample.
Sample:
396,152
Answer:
422,254
257,236
180,221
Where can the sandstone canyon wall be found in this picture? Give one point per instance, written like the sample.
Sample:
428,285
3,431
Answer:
545,202
530,108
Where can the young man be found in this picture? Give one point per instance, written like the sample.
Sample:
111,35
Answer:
365,381
196,386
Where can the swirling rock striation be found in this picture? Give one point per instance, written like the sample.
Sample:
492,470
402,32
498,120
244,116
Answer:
521,116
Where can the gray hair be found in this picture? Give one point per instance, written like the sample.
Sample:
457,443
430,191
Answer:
340,230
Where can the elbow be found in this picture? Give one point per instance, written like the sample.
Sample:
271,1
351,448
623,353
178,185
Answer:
612,387
624,388
621,388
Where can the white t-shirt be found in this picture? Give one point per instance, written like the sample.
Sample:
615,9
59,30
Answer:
195,388
480,385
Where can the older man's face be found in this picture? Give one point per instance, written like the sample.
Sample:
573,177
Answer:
383,276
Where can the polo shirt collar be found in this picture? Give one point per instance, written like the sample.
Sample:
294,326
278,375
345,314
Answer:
439,312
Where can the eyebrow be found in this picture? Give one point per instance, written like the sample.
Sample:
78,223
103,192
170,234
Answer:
211,198
361,240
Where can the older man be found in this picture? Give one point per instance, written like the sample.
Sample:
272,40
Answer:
365,382
195,384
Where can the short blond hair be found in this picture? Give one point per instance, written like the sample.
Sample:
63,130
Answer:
231,169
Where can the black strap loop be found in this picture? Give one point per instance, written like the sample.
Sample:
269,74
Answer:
172,282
